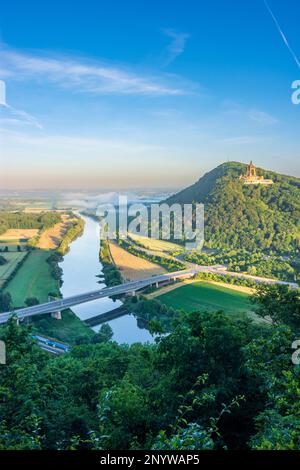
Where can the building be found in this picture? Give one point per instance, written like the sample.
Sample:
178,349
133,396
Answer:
252,178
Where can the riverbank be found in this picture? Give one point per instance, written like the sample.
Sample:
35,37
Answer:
83,272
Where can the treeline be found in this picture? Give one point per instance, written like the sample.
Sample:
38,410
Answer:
169,264
215,382
235,281
255,263
74,230
110,271
15,270
157,317
27,220
55,270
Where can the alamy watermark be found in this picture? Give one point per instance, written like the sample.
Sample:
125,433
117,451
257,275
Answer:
157,221
2,93
296,353
2,352
296,93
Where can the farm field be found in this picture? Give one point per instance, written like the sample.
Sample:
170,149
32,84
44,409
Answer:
13,259
18,234
206,296
33,279
11,246
160,246
132,267
39,209
51,237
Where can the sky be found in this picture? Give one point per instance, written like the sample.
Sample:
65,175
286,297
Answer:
140,94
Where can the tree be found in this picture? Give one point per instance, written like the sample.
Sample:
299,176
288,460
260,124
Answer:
5,302
105,334
2,260
278,302
268,360
30,301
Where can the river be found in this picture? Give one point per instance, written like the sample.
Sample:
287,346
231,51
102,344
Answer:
81,266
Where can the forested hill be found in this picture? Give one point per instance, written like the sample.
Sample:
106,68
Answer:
247,216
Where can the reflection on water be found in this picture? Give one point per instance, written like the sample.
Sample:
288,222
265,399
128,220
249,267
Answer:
81,267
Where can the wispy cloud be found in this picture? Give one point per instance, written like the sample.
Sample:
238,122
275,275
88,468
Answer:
75,146
265,119
12,115
241,140
176,46
19,116
234,109
83,75
283,36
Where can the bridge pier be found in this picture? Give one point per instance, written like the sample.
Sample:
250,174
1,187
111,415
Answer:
56,315
156,285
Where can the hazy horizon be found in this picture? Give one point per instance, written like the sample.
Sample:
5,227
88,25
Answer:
150,103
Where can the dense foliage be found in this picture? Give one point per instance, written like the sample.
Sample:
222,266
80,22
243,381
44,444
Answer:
214,382
75,229
254,263
112,275
253,217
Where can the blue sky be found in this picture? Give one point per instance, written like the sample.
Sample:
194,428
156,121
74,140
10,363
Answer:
146,94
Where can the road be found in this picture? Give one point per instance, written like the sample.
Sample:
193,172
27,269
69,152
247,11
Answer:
133,286
58,305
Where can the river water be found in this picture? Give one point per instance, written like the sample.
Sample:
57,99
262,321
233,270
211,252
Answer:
81,266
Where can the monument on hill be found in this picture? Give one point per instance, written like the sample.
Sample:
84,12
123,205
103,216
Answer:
252,178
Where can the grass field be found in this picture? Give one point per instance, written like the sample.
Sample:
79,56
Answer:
209,297
13,259
132,267
33,279
11,245
68,329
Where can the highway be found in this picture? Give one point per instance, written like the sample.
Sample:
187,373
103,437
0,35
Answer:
58,305
133,286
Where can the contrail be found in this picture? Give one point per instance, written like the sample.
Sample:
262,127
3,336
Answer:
25,117
282,34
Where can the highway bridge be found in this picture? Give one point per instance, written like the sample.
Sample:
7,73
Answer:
128,287
68,302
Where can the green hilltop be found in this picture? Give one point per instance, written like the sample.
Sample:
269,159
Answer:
247,217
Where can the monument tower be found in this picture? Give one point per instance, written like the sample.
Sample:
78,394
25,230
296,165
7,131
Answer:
252,178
